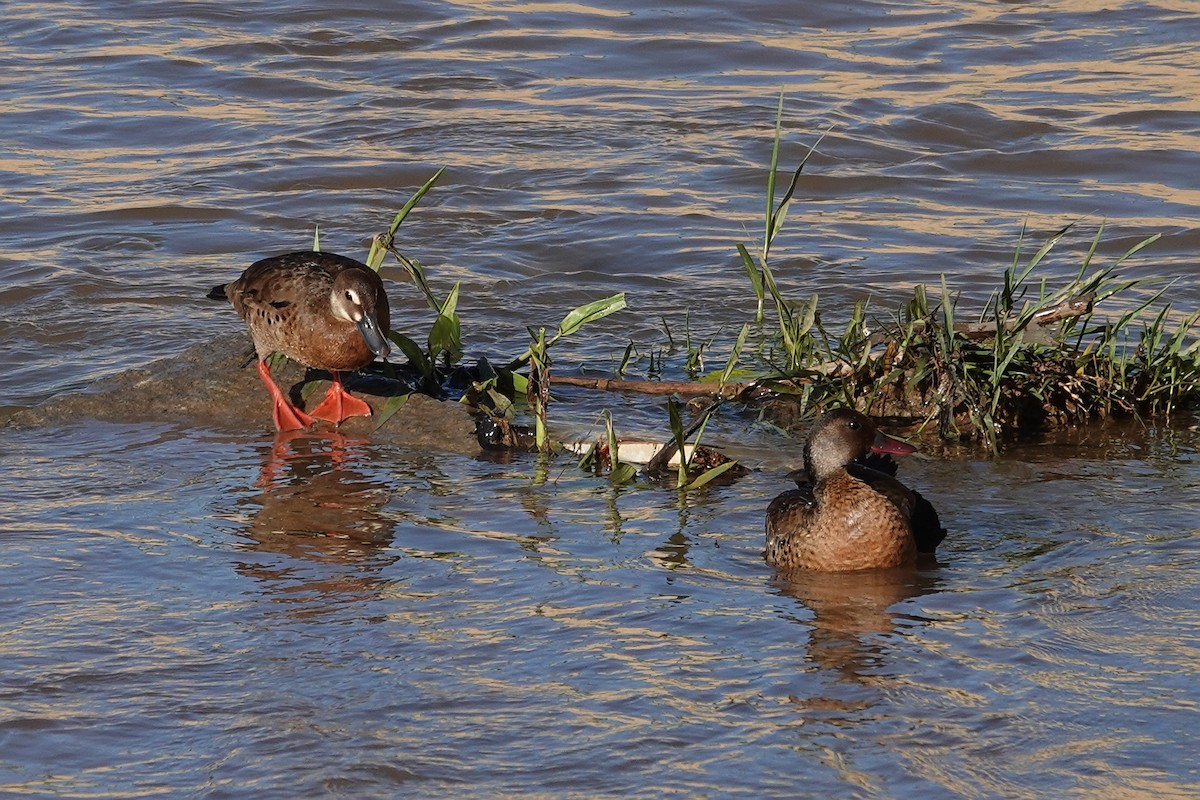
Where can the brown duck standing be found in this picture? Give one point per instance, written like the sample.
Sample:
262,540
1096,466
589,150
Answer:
323,310
853,514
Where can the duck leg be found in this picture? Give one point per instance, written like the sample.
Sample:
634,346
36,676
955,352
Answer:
338,405
287,417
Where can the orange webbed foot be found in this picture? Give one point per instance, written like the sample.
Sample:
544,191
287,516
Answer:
289,418
338,405
286,416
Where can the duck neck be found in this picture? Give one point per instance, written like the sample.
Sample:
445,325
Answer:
819,464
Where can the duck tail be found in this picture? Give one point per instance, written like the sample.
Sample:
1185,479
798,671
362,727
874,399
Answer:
927,528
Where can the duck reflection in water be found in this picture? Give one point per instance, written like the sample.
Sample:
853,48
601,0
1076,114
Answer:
854,616
317,502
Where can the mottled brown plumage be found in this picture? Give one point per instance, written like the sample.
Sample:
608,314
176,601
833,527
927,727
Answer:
323,310
852,515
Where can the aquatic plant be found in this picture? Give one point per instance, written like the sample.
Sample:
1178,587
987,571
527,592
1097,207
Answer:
494,391
686,442
604,456
1032,358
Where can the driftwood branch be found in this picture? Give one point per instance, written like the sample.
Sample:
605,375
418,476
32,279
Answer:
729,390
1075,306
1035,333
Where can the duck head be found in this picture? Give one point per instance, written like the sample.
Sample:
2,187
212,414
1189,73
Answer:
841,436
355,298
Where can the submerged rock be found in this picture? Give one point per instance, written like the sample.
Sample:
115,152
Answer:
206,385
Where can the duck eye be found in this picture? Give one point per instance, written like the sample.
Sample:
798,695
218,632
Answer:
853,424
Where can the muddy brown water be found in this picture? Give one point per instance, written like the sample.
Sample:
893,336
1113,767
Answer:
197,609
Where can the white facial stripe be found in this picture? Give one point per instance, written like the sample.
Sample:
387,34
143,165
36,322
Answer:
348,306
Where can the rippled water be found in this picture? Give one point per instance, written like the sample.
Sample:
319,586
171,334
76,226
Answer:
201,613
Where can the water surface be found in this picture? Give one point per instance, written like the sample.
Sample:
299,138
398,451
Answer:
201,613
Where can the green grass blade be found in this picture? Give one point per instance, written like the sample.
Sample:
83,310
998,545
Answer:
781,212
756,280
1091,253
677,434
735,354
1142,244
771,178
1044,249
379,248
715,472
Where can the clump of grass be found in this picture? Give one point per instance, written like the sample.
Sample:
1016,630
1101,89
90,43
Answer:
1033,358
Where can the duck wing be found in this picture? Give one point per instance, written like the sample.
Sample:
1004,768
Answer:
896,492
789,528
922,516
800,478
793,501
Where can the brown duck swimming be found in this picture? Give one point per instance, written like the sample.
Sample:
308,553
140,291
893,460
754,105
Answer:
323,310
851,513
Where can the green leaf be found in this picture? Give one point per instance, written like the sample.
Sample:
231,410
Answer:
624,365
756,280
445,337
1041,253
772,176
589,456
316,238
751,268
1149,240
735,354
677,434
574,320
413,352
619,472
500,404
715,472
785,203
390,407
307,390
590,312
947,314
450,305
446,334
623,474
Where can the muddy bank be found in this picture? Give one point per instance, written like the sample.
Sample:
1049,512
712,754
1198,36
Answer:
207,386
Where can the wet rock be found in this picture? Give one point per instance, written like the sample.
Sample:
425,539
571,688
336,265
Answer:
207,385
